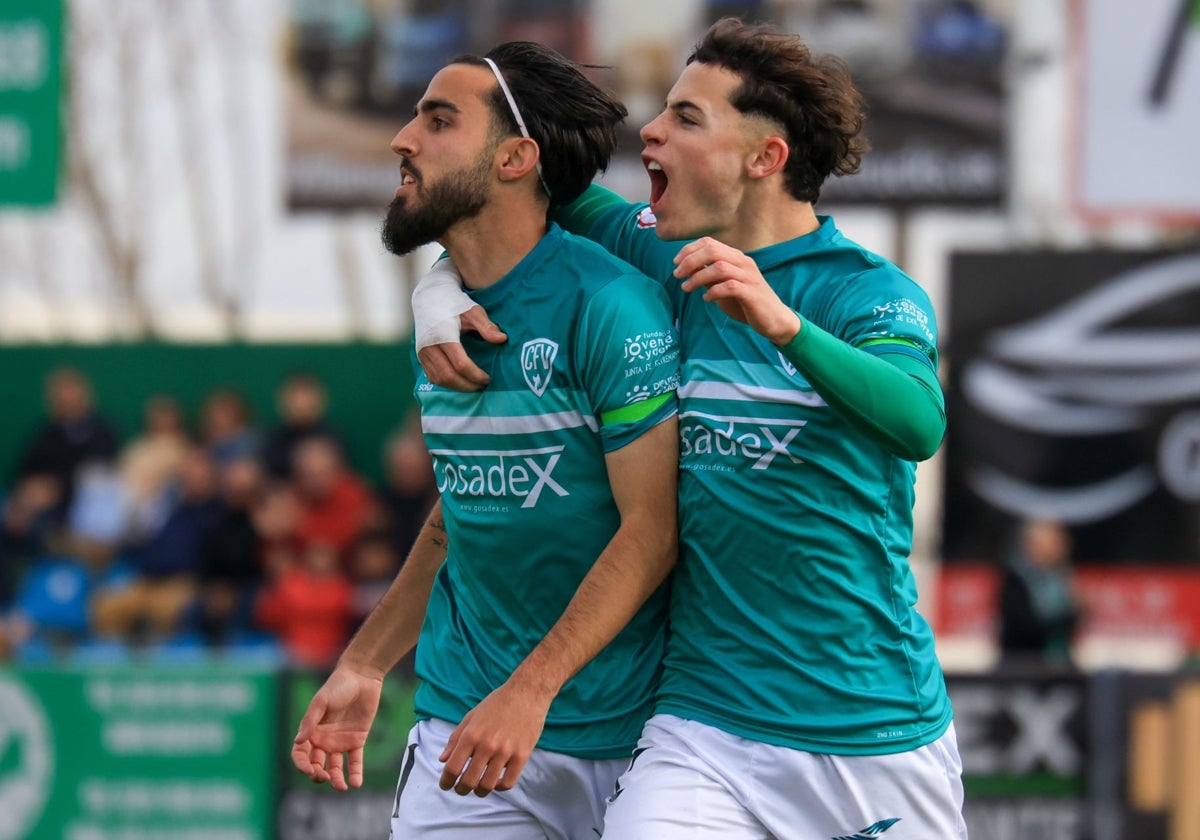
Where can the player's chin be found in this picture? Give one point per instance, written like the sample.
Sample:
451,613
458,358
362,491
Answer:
673,227
669,232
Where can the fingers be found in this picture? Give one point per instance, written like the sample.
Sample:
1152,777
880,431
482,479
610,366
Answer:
471,767
337,779
319,773
356,768
301,758
454,758
308,723
488,781
476,320
449,365
512,771
696,255
473,774
710,275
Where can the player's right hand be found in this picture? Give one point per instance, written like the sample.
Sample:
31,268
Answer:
449,365
329,743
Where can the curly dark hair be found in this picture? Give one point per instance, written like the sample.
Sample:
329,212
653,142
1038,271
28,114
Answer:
573,120
812,97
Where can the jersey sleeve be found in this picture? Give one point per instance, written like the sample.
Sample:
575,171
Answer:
630,358
625,230
883,310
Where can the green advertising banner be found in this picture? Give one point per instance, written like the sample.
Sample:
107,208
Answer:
316,812
137,753
31,50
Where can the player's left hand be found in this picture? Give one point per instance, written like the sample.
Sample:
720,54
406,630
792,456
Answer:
732,281
488,750
447,363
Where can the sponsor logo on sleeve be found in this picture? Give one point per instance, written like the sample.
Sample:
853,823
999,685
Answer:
646,351
904,311
646,219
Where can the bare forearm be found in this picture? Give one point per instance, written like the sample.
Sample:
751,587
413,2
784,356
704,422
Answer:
640,555
392,628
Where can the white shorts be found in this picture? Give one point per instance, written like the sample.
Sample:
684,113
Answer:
689,781
558,797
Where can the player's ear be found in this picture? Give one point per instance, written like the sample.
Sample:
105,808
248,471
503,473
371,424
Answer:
767,157
518,156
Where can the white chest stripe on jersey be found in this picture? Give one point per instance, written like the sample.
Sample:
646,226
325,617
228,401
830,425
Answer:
701,389
449,424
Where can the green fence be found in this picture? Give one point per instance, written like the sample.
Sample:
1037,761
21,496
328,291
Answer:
370,385
152,754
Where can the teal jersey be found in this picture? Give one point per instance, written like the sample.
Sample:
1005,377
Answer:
793,617
591,363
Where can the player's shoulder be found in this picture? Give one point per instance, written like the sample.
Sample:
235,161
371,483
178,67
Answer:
597,269
850,263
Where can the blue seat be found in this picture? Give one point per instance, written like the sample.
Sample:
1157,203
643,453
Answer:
54,596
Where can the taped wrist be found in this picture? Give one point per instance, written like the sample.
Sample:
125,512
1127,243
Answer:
437,301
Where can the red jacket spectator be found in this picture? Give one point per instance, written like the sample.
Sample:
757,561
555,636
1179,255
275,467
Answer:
335,505
309,606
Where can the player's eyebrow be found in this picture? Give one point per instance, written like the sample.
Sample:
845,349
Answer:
427,105
685,105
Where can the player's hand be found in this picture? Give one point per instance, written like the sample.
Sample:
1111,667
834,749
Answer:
449,365
329,743
487,751
732,281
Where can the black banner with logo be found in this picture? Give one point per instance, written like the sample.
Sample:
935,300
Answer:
1026,752
1074,394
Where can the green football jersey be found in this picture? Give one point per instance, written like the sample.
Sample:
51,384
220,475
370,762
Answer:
591,363
793,617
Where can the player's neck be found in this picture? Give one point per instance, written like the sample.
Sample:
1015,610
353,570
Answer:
488,246
768,217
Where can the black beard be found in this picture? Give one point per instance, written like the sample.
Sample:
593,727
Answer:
460,195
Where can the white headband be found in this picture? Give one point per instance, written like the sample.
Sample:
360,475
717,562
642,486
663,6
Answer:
516,112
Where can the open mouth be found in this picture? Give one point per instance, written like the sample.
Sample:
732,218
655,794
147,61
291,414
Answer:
408,178
658,182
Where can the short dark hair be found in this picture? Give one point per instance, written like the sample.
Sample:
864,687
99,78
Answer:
573,120
812,97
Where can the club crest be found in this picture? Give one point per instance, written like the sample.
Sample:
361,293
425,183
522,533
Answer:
537,363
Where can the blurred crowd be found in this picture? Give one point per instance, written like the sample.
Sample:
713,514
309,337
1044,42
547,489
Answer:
217,537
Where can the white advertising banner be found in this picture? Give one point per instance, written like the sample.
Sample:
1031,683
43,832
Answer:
1138,108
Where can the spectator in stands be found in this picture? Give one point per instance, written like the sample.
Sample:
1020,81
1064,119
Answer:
151,463
301,402
150,606
408,490
335,505
1038,605
49,614
27,523
277,517
373,565
225,427
307,602
73,434
230,567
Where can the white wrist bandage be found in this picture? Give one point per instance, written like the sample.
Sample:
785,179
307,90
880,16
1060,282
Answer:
437,301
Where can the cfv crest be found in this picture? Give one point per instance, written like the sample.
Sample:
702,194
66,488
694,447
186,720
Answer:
537,363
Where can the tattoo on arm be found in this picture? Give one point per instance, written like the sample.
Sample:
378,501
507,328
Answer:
440,539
